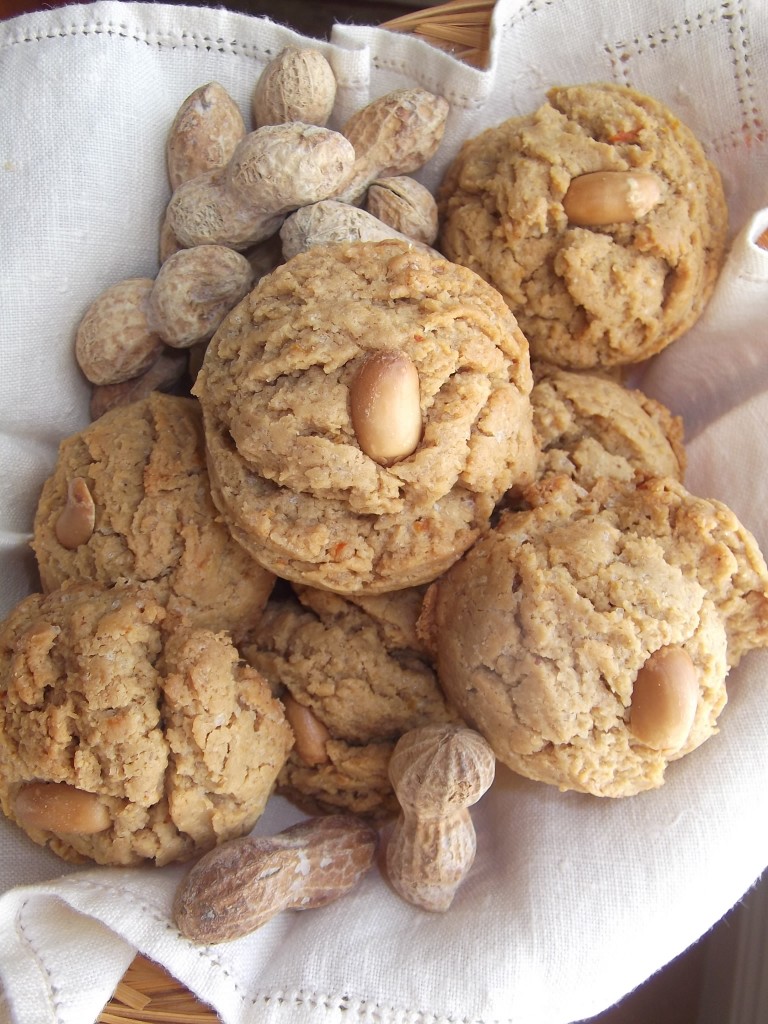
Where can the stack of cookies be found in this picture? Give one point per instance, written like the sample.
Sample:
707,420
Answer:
407,488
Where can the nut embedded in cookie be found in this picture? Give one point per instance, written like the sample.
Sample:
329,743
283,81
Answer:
543,629
129,499
598,217
123,742
292,471
356,670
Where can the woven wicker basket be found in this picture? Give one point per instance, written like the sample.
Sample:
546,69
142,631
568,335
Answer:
147,994
459,26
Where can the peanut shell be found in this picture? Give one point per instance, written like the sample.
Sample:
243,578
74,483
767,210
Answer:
114,341
194,290
203,134
298,85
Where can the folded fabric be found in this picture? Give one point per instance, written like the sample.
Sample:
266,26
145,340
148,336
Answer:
572,900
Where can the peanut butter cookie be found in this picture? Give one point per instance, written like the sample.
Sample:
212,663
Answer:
290,427
124,742
543,630
355,676
598,217
591,427
140,470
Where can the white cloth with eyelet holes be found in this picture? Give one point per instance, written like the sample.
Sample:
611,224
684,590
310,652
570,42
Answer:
572,901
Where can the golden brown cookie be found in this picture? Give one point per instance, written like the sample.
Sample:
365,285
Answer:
288,469
596,273
543,628
123,742
358,676
143,468
590,427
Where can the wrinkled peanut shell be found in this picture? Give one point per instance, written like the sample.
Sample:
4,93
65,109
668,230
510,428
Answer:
331,221
298,85
406,205
194,290
241,884
203,134
394,134
280,167
114,341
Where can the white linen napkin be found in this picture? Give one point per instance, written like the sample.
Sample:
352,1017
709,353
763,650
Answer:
572,900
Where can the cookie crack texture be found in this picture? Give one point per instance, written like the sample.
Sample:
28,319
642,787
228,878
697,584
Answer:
299,490
502,208
542,628
227,735
154,515
173,740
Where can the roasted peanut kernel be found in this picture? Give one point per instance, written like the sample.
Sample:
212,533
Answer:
664,699
611,197
310,733
59,807
74,525
385,406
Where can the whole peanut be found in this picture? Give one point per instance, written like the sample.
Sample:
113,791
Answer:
114,341
283,166
194,290
395,134
204,133
297,85
274,170
332,221
406,205
437,772
241,884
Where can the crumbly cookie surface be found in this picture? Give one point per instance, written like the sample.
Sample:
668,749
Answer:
179,739
541,629
591,427
286,467
588,296
363,672
144,465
